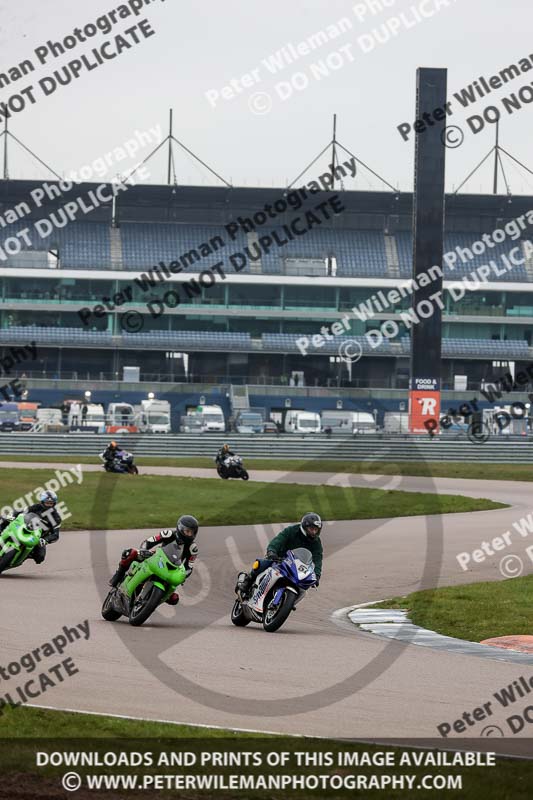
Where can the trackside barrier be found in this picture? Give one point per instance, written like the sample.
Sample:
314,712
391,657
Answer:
364,448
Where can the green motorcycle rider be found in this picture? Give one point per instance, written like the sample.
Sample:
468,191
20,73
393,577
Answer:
184,534
49,521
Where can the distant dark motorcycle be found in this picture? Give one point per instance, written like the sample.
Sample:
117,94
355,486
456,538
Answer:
232,467
121,464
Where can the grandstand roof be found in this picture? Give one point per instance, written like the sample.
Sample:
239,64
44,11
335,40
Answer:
214,205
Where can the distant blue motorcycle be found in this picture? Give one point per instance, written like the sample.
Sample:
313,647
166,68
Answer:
276,591
121,464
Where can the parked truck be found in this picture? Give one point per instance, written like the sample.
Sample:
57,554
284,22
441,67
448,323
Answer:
302,422
121,418
153,416
27,415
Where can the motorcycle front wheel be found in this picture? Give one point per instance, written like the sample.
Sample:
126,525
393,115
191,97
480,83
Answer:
145,603
108,612
275,617
244,475
237,615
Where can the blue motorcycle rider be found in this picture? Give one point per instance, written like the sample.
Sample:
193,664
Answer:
306,534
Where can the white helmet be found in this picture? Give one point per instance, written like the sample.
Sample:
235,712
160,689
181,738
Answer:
311,521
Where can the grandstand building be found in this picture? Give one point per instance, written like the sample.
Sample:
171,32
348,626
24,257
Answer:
216,304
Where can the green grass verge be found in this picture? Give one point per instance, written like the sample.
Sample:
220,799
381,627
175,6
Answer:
24,722
27,730
105,501
501,472
473,612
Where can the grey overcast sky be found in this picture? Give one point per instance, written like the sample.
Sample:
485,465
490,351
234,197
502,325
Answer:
262,136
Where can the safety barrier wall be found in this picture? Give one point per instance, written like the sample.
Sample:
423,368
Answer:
502,449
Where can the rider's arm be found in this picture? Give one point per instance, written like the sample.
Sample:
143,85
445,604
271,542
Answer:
279,544
190,556
163,537
317,557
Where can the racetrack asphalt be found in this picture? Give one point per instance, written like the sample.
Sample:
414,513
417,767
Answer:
318,675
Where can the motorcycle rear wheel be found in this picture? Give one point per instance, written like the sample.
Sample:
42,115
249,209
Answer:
237,615
109,613
142,609
274,619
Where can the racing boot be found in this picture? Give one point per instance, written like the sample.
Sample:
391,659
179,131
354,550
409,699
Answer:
246,579
129,555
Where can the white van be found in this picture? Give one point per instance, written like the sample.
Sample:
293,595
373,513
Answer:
349,422
212,418
153,416
302,422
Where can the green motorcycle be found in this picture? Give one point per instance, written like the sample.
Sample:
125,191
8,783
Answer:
146,585
17,541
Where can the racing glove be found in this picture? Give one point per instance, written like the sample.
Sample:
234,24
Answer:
273,556
142,554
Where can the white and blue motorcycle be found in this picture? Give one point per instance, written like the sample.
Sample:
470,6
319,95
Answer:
275,591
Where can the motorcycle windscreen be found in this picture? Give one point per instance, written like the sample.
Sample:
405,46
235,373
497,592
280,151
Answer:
304,555
173,552
305,568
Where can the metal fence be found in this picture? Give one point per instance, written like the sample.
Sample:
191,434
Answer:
504,449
